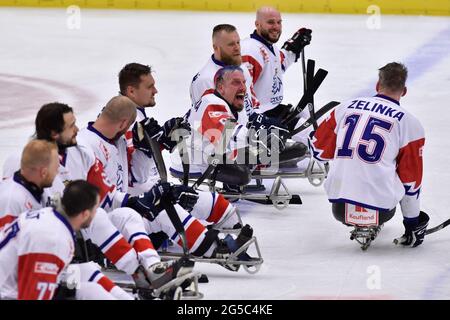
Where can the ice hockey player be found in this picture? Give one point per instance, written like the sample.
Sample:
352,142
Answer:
105,137
30,189
227,52
376,149
267,63
120,234
37,247
226,102
137,83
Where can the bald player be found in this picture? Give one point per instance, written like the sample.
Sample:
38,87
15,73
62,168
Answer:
266,62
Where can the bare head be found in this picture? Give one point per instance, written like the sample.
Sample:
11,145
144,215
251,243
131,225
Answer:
80,202
392,80
117,116
40,162
137,83
268,24
227,44
230,84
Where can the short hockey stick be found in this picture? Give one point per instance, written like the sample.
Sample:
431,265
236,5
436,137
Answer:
438,227
306,98
329,106
217,158
165,203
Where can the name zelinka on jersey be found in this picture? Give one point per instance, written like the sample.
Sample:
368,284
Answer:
377,108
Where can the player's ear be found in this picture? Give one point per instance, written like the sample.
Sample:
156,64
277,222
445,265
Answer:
405,90
54,135
377,86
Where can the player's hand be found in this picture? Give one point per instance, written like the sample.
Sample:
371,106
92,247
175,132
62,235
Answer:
298,41
414,235
185,196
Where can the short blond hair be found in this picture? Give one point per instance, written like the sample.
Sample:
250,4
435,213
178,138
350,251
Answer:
37,154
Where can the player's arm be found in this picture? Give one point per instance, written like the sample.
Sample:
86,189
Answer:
322,142
254,61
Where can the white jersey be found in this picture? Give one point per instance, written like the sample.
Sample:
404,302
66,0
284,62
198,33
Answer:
203,83
267,65
34,250
18,195
77,162
112,160
376,147
207,120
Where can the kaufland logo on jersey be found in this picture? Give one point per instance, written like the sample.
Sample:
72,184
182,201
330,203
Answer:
45,268
357,215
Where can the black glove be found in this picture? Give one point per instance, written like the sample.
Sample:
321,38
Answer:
298,41
185,196
267,132
148,204
181,128
152,128
414,233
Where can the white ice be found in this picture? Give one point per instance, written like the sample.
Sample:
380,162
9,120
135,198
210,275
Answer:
307,254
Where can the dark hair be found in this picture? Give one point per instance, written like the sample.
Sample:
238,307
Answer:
50,118
220,74
79,195
223,27
130,75
393,76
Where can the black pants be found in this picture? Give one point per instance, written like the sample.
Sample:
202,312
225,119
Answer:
338,210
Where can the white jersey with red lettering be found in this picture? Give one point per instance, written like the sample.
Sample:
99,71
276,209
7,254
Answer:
203,83
376,148
34,250
267,65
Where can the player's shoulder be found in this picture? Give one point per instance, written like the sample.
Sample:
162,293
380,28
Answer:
11,164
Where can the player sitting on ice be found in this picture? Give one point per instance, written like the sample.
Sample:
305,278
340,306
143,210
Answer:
260,141
119,233
376,146
105,138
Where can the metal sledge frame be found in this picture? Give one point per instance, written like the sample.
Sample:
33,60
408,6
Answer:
364,235
279,200
251,266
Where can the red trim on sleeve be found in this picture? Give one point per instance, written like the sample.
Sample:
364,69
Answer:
255,69
325,138
213,120
37,275
410,163
6,219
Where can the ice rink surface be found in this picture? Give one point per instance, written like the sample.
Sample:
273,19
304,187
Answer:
307,254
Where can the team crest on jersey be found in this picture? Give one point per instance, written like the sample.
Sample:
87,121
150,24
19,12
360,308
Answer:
276,84
45,268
